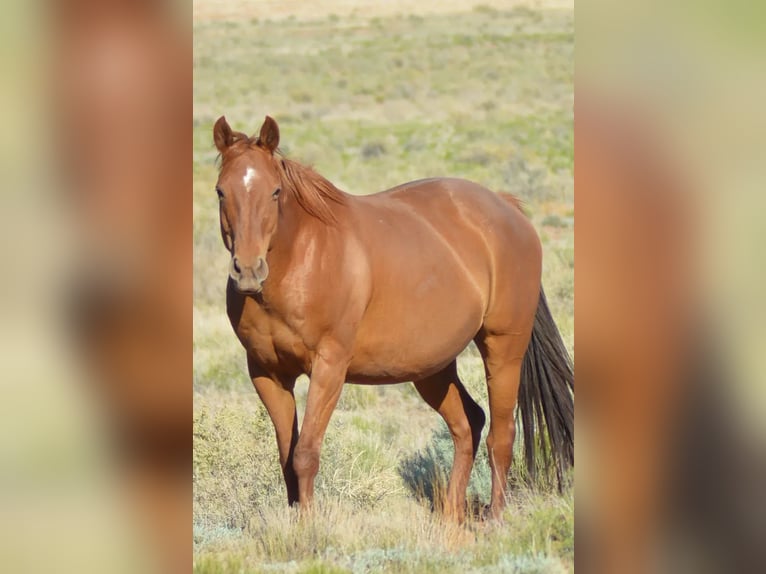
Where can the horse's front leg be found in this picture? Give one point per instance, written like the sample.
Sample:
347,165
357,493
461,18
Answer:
328,373
279,400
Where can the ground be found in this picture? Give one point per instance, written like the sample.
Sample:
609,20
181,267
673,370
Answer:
373,97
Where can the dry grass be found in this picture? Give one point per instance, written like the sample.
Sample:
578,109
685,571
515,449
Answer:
399,536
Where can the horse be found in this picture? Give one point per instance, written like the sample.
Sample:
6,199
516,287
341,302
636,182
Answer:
390,288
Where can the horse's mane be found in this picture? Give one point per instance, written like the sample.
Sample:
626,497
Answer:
314,193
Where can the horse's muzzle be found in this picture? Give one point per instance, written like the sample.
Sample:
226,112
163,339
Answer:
248,278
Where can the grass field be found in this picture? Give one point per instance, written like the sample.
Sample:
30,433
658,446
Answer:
372,99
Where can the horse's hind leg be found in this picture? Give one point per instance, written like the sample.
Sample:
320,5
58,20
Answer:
503,356
465,419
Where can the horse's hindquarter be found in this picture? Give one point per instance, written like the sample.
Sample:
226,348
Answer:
433,248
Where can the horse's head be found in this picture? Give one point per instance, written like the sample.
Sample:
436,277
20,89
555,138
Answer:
248,192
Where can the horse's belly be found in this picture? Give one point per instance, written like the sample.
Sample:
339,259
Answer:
376,373
403,361
406,348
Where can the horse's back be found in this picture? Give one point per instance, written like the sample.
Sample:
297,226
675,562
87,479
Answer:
482,227
460,201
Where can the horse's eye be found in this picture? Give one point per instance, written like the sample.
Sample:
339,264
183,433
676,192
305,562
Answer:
276,192
220,193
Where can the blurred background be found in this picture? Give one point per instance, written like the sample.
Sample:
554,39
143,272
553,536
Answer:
670,331
96,307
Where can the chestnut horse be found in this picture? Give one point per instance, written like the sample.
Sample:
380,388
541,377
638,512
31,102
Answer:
389,288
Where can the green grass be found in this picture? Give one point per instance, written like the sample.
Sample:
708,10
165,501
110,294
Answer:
371,103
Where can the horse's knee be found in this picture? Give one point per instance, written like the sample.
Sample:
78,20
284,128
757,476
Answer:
305,461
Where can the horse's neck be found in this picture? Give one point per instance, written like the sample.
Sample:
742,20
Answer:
297,229
298,240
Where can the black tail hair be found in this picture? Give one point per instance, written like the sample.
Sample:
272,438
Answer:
546,400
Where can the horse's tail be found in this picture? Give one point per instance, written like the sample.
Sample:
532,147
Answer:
546,399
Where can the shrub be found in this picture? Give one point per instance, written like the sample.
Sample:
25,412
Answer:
235,463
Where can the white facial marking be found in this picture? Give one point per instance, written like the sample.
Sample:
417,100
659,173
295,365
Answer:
250,175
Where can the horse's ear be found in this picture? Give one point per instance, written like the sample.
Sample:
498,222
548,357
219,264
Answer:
222,134
269,136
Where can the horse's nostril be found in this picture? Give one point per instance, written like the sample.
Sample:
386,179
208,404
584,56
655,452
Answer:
261,270
235,264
